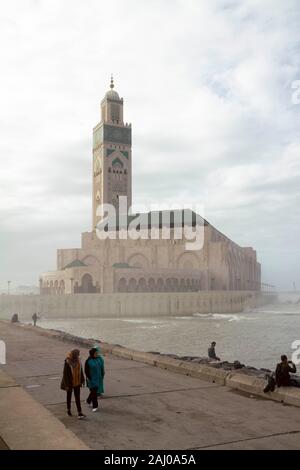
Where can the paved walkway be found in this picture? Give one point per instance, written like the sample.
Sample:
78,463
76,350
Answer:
149,408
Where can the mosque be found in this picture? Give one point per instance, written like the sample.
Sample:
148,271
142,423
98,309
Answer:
145,263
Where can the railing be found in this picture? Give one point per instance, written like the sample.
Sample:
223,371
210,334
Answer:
268,288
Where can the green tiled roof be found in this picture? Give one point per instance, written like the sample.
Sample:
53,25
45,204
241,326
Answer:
109,151
75,264
120,265
159,219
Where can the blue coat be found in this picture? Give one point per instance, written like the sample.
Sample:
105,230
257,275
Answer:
100,361
94,371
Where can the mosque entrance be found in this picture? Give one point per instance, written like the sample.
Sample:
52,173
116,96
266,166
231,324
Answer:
87,286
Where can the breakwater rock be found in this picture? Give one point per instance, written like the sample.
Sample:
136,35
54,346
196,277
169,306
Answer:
235,375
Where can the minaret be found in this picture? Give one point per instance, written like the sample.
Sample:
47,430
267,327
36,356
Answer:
111,154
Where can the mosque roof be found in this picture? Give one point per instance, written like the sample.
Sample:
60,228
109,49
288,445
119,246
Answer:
121,265
159,219
75,264
112,94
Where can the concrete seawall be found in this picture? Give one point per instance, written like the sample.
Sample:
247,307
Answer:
139,304
150,402
238,380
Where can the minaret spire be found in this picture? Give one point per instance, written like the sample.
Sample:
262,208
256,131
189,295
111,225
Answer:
112,81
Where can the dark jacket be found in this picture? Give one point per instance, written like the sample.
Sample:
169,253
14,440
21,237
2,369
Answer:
211,352
270,387
282,374
67,380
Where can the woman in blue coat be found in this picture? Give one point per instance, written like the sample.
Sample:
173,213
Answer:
94,375
100,360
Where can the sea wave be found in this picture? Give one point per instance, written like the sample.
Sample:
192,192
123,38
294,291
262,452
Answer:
140,320
225,316
190,317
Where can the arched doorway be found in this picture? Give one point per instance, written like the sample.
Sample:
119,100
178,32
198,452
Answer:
62,287
160,285
142,285
151,285
87,284
132,285
122,285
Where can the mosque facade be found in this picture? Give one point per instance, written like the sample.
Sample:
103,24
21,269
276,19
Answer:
150,262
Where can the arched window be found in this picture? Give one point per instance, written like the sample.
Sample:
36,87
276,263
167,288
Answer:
132,285
122,285
87,284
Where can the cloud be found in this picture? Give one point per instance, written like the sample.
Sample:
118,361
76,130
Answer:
207,87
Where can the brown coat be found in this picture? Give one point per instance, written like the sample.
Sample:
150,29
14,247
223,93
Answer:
67,379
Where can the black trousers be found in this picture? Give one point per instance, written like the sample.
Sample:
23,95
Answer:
92,398
77,398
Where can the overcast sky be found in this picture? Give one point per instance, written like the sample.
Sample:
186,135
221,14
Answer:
207,86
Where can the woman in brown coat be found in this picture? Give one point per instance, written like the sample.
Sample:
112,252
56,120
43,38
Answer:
73,379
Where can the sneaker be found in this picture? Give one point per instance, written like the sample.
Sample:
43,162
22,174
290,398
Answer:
81,416
69,413
95,409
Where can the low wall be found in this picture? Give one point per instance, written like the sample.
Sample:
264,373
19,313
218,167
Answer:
125,304
236,380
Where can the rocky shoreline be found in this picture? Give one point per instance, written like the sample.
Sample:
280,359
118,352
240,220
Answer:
223,365
235,375
226,366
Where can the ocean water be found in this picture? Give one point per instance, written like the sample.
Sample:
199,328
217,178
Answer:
257,337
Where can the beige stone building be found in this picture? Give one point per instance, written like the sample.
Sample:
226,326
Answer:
152,262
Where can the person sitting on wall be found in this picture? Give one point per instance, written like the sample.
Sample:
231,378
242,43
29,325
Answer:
271,383
15,318
282,373
212,352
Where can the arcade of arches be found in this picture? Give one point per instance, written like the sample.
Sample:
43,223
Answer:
143,264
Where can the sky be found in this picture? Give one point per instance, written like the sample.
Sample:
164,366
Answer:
208,88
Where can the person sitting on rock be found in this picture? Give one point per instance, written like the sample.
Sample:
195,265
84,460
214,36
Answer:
282,373
15,318
212,352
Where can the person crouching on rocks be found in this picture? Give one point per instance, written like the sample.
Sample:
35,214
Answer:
282,373
93,377
212,352
73,380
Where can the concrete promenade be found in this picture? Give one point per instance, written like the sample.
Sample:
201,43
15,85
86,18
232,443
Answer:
145,407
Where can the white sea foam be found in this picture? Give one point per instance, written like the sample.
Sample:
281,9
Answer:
190,317
256,338
203,315
139,320
224,316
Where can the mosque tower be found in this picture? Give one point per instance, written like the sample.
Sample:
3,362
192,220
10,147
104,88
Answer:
112,169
